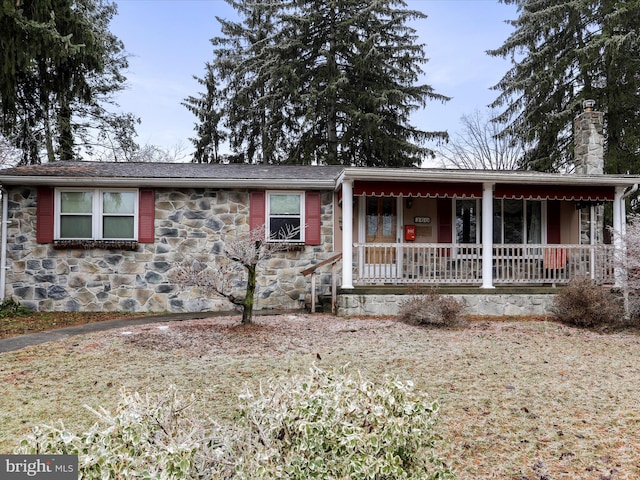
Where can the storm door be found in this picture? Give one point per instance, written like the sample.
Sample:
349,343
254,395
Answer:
381,236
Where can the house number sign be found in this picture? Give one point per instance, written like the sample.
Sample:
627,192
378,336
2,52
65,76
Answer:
421,219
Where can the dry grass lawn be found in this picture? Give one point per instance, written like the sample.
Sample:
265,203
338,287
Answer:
519,400
10,326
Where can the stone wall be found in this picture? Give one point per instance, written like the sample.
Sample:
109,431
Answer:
476,304
188,222
588,128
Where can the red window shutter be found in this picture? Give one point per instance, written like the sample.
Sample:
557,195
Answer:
445,211
553,222
146,216
257,210
313,209
44,215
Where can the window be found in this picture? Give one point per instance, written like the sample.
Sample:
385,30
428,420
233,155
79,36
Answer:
96,214
285,214
517,221
467,221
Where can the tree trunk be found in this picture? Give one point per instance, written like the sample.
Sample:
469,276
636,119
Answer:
332,80
64,125
247,311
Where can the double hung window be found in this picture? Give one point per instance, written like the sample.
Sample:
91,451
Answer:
285,216
96,214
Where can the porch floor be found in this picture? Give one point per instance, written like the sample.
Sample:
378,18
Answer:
449,290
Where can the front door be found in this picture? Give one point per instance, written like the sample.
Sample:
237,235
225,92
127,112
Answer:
381,229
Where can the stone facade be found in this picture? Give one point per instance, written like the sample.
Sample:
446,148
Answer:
187,222
588,128
475,304
588,133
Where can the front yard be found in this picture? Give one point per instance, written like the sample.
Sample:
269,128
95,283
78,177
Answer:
519,400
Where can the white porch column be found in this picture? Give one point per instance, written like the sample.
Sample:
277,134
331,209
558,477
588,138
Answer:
347,234
619,225
487,235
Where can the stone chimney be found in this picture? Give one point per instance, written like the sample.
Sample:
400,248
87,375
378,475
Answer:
589,140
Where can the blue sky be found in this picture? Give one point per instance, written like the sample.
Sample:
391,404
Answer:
168,41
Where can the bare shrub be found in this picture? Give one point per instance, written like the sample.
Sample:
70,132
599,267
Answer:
627,258
431,309
582,303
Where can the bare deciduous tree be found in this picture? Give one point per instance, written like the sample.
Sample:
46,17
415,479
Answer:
481,145
9,155
154,153
627,258
245,252
145,153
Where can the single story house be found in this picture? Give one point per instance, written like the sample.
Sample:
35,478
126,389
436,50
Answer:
106,236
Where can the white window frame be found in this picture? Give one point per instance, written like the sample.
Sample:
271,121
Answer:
96,212
454,215
525,232
267,216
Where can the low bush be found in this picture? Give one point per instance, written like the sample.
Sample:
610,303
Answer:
12,308
324,425
432,309
148,436
582,303
333,425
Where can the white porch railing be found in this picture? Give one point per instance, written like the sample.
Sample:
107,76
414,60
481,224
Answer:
437,263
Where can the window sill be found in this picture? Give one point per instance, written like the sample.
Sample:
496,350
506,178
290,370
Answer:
88,244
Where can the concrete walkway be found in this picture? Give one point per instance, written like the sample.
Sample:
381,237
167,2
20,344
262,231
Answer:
16,343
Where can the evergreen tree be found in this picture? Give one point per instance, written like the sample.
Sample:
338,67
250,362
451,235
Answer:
252,105
564,52
205,107
310,81
61,67
359,67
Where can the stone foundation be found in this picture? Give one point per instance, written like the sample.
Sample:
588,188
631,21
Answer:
475,304
188,223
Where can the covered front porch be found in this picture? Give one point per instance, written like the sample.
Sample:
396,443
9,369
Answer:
484,229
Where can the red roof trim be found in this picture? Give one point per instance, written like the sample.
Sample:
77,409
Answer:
417,189
554,192
474,190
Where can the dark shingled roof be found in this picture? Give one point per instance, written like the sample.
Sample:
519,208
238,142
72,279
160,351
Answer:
175,171
206,175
